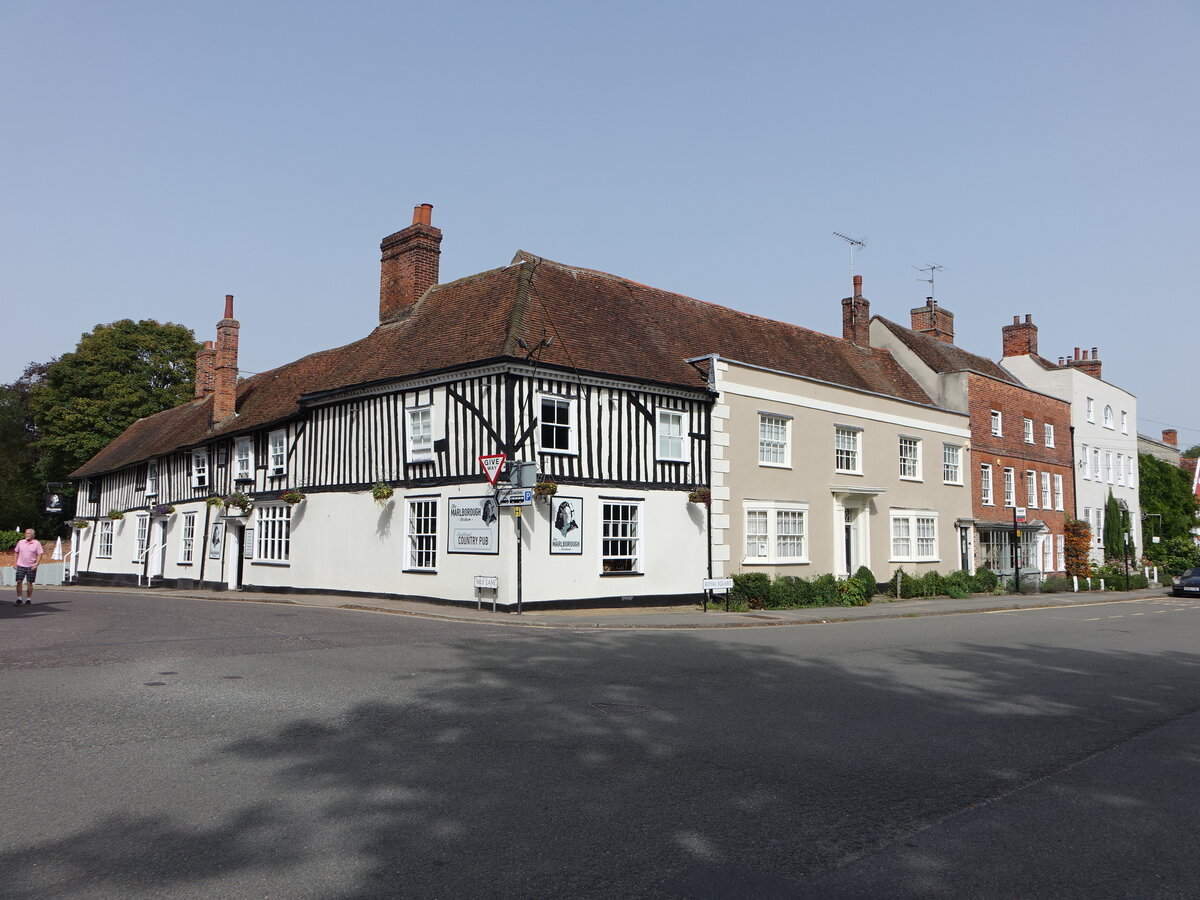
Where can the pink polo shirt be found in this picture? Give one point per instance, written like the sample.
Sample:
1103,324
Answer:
28,553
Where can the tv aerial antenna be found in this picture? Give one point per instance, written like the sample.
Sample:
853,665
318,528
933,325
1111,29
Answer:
932,270
855,244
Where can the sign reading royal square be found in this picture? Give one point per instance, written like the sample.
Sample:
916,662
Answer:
474,525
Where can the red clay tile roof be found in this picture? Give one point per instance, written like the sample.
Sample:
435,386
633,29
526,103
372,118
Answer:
943,357
600,324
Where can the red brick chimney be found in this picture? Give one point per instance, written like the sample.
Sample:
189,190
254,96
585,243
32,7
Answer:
856,316
225,369
409,265
205,370
1090,363
1020,338
931,319
1171,436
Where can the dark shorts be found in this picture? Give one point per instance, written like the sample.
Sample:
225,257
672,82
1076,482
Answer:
26,573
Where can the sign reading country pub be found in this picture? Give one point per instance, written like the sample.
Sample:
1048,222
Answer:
474,525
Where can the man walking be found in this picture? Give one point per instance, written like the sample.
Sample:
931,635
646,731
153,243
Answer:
29,554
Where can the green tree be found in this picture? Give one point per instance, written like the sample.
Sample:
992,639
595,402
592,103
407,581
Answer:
1168,505
1116,529
119,373
1192,452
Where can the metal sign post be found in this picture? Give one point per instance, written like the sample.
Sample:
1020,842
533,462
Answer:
487,583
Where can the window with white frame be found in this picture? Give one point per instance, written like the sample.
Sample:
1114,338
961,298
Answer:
774,440
997,424
152,478
104,547
1085,455
1048,553
1061,541
1091,410
848,457
273,533
1124,422
243,459
669,425
776,532
1121,469
910,458
420,434
1031,489
1048,434
1108,417
421,533
951,464
143,537
1058,492
1108,465
199,468
1028,431
914,536
557,424
985,485
277,452
620,536
1047,499
1010,487
1096,465
187,538
1129,475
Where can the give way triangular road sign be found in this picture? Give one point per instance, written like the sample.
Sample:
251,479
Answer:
492,465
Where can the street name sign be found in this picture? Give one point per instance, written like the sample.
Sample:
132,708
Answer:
717,584
490,582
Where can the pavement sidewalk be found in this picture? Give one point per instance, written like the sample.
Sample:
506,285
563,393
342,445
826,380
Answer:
678,617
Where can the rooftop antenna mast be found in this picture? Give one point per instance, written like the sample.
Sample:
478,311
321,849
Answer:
855,244
932,270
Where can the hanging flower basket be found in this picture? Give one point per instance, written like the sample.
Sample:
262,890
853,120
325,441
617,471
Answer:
80,524
544,490
116,514
237,505
381,492
700,495
291,498
215,501
161,510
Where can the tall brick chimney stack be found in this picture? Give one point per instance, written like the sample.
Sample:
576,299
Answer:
409,264
856,316
225,370
205,370
1171,436
931,319
1020,338
1090,362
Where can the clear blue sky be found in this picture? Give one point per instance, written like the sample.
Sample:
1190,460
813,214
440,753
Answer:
160,155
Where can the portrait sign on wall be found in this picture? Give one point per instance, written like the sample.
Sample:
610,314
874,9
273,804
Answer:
216,540
566,524
474,525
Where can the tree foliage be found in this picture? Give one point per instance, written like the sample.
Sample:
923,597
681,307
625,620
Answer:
1168,505
1077,547
1192,452
117,374
1116,529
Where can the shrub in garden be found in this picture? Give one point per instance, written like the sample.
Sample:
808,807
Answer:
932,585
750,590
867,579
852,592
985,581
1056,584
958,584
1137,581
782,593
8,540
824,591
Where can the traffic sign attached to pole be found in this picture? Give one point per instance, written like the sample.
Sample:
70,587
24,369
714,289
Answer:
492,465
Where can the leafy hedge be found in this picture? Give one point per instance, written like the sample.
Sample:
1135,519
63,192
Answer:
8,540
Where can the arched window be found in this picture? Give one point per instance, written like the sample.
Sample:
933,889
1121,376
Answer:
1108,417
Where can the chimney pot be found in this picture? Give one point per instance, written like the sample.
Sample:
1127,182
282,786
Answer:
229,306
1171,436
857,285
423,214
1095,353
1016,320
1028,319
1076,353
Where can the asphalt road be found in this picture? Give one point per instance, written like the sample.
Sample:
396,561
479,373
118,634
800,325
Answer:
178,748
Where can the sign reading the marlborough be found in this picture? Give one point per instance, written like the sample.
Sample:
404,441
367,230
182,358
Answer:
491,466
566,524
474,525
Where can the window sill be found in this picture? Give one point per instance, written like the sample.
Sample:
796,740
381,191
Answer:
910,478
771,465
932,559
269,562
622,574
546,452
759,561
663,459
419,571
953,483
849,472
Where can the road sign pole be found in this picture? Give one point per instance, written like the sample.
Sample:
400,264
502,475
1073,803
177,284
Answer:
519,542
